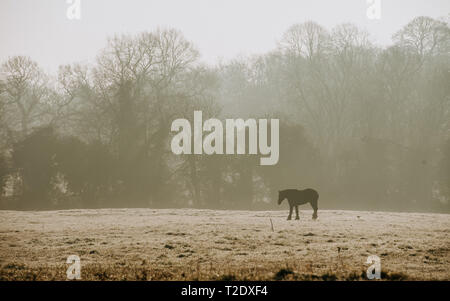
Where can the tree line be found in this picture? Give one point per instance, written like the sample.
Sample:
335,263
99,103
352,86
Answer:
367,126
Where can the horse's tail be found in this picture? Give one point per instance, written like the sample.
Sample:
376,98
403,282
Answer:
315,205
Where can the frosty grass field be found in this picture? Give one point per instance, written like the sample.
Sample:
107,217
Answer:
190,244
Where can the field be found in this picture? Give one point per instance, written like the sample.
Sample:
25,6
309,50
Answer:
189,244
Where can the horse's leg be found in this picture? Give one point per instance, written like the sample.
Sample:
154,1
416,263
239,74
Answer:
296,213
315,207
290,212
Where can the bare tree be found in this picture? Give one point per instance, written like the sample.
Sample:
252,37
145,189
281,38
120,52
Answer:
27,95
307,39
425,36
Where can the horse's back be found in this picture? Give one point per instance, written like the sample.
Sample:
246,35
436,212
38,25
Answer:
310,193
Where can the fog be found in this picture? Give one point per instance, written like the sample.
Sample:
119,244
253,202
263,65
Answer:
220,29
86,106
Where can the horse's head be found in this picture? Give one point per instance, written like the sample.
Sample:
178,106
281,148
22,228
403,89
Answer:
281,196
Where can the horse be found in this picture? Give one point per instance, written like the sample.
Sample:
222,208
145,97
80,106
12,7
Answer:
297,197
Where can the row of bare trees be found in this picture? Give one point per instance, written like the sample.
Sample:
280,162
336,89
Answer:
367,126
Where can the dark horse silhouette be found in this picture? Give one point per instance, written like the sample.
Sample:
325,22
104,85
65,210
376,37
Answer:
299,197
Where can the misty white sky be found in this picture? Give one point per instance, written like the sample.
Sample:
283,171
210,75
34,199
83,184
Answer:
219,28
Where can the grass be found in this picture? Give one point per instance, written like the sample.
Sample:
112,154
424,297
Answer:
188,244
